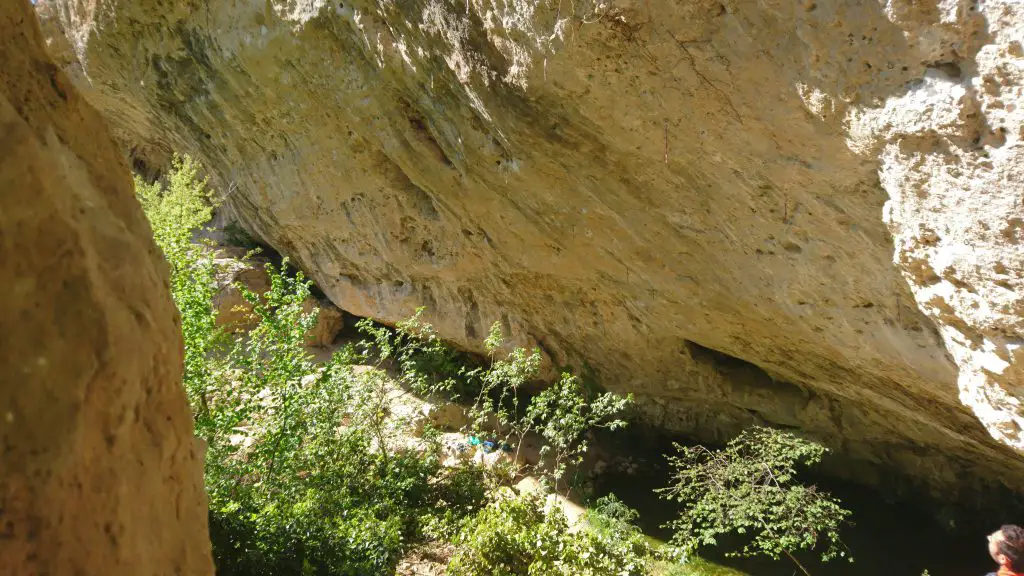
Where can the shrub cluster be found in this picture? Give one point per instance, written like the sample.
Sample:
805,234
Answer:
525,535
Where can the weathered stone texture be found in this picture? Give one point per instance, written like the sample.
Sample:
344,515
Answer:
99,472
828,190
952,160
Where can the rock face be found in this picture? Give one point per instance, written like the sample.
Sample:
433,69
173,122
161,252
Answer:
99,472
329,322
803,213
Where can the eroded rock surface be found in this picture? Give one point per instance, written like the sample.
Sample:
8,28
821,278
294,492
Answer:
951,158
803,213
99,471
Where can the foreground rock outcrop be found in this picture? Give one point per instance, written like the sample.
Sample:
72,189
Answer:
805,213
99,471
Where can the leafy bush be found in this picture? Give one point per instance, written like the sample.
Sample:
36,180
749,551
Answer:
751,488
292,489
311,495
426,365
613,523
174,212
521,535
563,414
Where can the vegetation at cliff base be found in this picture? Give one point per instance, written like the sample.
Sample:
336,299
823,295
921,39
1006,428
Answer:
750,488
321,468
310,470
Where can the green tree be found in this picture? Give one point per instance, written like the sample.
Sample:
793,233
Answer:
175,212
562,414
426,365
751,488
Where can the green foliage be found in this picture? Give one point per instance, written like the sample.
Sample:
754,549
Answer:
610,512
496,405
426,365
303,462
751,488
175,211
563,414
299,475
611,521
521,535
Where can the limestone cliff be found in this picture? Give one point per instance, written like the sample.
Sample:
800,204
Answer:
99,472
804,213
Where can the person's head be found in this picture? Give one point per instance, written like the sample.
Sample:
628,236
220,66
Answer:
1006,546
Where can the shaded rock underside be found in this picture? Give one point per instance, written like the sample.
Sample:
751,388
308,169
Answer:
798,213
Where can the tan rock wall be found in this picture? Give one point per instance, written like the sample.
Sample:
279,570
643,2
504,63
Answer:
99,472
698,200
